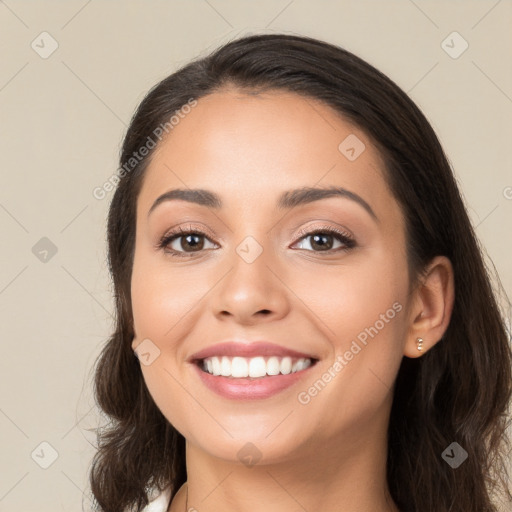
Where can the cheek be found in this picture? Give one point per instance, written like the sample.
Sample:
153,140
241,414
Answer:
347,300
156,306
361,309
163,303
161,297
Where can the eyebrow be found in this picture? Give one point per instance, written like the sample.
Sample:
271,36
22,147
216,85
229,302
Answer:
287,200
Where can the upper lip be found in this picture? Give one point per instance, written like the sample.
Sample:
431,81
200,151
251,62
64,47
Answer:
248,349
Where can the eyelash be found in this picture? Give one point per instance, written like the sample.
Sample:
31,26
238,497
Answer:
342,236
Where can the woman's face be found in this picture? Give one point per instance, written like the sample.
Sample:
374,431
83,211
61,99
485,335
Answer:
252,273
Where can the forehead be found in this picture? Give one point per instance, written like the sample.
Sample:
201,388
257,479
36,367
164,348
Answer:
248,147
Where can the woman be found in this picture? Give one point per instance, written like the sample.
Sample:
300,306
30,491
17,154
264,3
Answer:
295,272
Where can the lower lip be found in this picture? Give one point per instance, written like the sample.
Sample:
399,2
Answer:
250,388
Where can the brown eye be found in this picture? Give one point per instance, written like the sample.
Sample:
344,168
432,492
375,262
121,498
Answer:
194,242
181,242
323,240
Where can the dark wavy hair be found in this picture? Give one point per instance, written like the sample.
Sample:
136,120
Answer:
459,391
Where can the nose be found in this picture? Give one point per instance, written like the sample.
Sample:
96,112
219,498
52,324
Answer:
252,292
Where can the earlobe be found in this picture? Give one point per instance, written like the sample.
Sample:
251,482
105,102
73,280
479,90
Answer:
434,299
418,348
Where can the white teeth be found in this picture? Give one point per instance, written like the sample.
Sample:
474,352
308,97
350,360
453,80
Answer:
240,367
215,366
273,366
296,366
225,367
257,367
286,365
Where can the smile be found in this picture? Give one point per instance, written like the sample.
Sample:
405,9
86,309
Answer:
253,367
251,378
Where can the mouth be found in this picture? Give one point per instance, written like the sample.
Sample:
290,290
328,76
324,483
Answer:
252,378
258,367
246,371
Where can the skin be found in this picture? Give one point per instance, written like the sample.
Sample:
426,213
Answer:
328,454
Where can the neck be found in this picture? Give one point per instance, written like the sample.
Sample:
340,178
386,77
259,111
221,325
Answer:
349,476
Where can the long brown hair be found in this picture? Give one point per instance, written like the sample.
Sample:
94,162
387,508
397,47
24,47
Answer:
459,391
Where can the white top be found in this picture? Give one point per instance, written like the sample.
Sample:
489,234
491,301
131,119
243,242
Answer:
160,503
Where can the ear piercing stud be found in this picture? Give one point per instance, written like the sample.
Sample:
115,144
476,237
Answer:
419,343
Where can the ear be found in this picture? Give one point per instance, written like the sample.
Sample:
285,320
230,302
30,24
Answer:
432,307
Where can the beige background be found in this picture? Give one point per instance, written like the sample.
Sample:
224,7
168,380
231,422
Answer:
62,121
